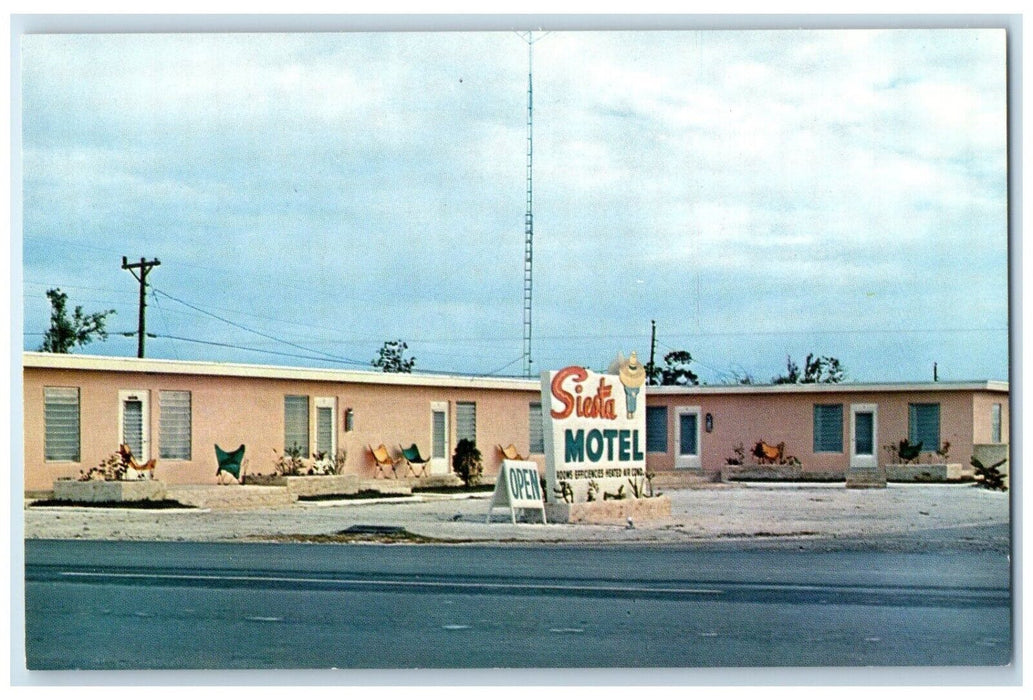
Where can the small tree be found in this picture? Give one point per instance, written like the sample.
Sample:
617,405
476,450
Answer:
65,333
675,371
816,370
466,462
391,357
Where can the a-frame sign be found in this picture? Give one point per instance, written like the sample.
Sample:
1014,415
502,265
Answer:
518,487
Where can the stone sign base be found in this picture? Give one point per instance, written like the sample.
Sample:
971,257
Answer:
98,491
609,512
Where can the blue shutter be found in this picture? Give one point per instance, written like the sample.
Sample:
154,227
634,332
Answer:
656,429
536,438
61,424
924,425
174,425
295,420
828,427
466,421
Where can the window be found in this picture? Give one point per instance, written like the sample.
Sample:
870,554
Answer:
174,425
656,429
61,424
134,425
439,430
924,425
326,425
995,423
466,421
828,427
688,440
295,421
536,438
864,433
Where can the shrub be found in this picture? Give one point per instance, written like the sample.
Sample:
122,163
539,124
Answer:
289,463
990,477
466,462
111,468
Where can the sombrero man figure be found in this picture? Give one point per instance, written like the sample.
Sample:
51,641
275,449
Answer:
632,375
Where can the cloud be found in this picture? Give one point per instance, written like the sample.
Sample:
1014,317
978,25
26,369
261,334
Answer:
373,184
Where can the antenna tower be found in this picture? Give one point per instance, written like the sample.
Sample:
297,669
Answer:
529,215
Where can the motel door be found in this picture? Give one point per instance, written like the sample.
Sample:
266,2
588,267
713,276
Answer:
863,436
134,423
439,448
687,438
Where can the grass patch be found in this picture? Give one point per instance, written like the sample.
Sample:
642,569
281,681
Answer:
480,488
164,504
361,495
363,536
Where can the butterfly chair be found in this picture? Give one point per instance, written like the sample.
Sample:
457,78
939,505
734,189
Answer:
230,462
510,452
382,459
412,457
129,462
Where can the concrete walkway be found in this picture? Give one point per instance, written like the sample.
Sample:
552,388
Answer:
724,513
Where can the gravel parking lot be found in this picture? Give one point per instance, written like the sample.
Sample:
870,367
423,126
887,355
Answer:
763,514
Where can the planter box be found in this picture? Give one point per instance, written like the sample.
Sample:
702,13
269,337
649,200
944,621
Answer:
98,491
336,485
873,478
297,486
775,472
929,472
609,512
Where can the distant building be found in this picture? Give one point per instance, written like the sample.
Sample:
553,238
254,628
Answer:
78,409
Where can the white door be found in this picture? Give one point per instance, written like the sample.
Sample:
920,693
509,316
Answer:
687,438
326,426
134,422
864,431
439,447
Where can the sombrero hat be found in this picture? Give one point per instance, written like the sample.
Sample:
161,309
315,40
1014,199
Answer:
632,372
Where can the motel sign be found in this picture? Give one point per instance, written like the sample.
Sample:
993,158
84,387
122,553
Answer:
594,429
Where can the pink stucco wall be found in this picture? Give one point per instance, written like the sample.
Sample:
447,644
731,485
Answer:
982,403
229,411
788,416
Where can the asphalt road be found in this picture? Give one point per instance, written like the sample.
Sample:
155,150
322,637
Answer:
168,605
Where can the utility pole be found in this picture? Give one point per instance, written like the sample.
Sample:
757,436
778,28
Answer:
652,355
144,266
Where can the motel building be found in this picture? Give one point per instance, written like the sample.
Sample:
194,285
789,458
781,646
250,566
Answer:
78,409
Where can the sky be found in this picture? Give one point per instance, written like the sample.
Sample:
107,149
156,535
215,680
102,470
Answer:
759,194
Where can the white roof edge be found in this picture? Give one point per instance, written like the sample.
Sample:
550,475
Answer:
44,360
843,387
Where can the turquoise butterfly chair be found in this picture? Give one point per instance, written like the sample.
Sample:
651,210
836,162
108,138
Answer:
413,459
230,462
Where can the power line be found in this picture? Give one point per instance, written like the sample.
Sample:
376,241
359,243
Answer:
496,371
164,320
260,333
